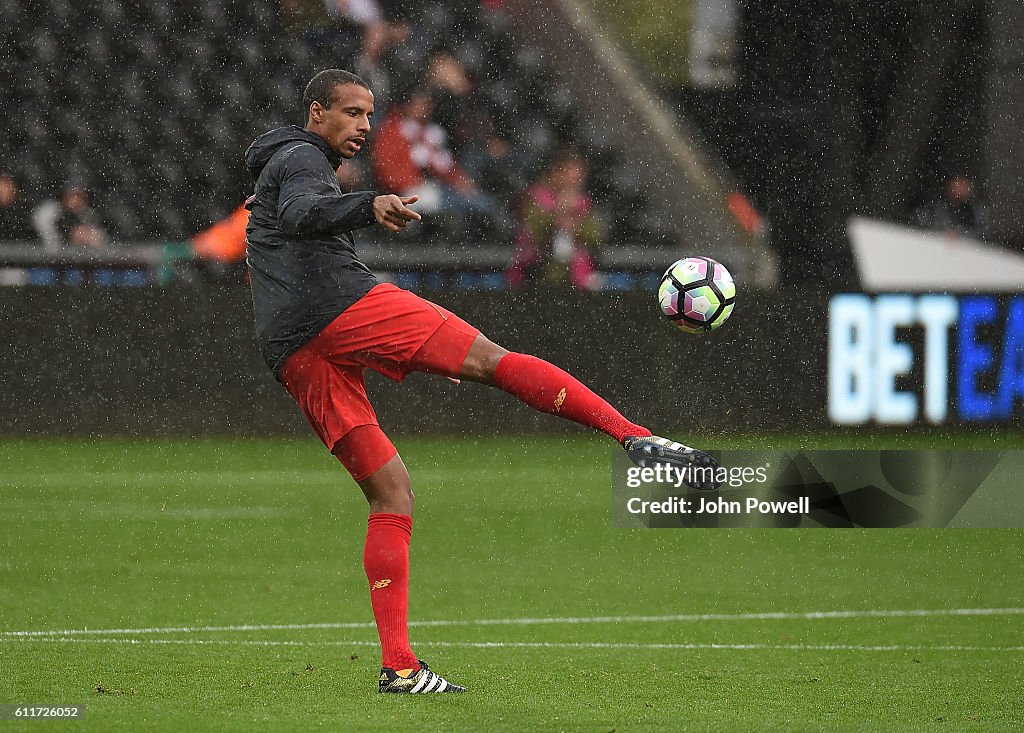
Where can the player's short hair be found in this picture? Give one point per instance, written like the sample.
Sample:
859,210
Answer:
321,88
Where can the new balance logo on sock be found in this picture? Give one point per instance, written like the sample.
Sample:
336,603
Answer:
381,584
559,400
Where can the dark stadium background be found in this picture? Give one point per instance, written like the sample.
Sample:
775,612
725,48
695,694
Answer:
819,111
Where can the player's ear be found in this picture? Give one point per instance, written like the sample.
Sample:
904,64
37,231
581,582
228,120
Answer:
316,112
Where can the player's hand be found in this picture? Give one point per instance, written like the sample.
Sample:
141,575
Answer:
393,212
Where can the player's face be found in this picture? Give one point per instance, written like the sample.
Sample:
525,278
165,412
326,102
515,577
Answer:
346,123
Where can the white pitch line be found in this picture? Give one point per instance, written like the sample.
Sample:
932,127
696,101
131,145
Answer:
546,645
191,629
761,616
79,478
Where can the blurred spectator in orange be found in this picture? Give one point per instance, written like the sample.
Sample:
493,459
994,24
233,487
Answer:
69,222
219,250
224,242
558,234
14,212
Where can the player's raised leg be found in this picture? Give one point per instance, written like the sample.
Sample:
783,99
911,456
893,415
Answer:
548,388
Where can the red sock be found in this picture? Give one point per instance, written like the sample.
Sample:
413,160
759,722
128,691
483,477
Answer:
386,559
545,387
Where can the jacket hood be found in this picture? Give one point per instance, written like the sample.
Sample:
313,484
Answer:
264,147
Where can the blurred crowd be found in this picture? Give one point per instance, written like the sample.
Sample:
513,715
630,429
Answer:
437,135
467,118
436,138
66,221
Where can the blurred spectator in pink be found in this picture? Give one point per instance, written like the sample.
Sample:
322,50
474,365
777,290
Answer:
558,235
223,241
14,212
70,221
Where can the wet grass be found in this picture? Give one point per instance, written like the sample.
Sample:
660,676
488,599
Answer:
129,547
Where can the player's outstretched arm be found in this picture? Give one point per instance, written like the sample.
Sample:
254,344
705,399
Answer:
393,212
310,201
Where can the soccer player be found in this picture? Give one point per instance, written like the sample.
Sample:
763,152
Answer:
322,319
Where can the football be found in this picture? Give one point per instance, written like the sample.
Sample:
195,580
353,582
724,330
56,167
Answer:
697,294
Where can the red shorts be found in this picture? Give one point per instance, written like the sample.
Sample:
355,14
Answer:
386,330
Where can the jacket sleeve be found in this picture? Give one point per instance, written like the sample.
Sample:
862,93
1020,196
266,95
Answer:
310,201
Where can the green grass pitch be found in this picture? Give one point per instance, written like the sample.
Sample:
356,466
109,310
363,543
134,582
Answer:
217,585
